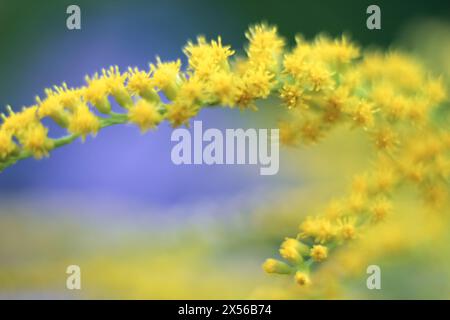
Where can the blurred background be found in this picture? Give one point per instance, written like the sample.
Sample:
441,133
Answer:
141,227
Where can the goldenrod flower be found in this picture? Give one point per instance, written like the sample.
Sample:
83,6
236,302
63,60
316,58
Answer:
116,86
83,122
145,115
340,51
362,114
295,63
276,266
255,83
294,97
265,46
385,138
179,113
302,278
16,122
192,90
165,76
68,97
35,140
7,145
222,86
319,253
335,104
97,92
319,78
293,250
139,83
206,58
52,107
399,106
290,254
381,209
320,229
347,228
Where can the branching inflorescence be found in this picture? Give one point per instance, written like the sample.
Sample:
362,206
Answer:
322,83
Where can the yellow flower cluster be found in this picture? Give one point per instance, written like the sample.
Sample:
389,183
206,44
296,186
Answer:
324,83
210,78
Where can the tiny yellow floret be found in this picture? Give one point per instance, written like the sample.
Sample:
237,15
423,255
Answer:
276,266
145,115
319,253
83,122
302,278
7,145
36,141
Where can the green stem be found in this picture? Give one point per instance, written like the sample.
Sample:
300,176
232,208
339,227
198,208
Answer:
114,119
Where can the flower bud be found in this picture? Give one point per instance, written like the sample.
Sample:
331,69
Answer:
276,266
